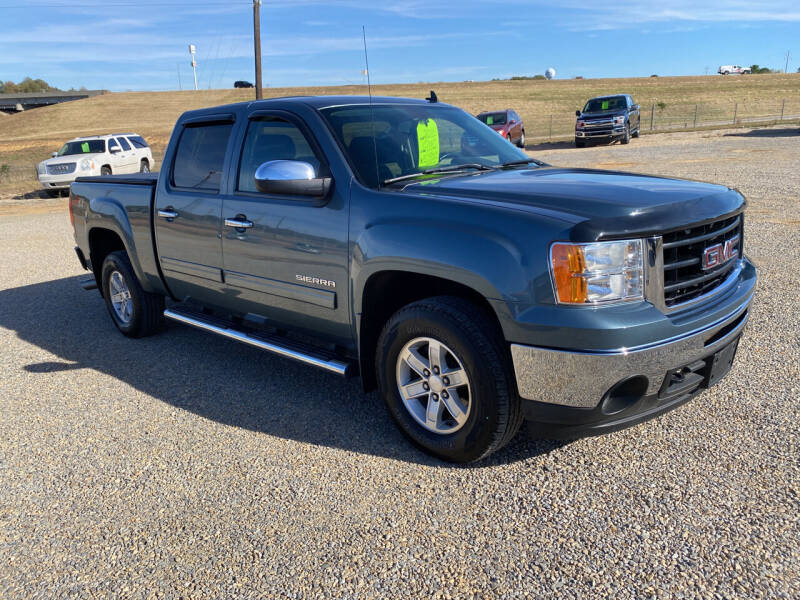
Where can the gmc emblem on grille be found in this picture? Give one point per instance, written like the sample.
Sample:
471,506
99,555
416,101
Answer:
718,254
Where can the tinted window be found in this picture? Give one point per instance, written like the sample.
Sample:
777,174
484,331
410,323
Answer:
498,118
112,143
137,141
124,143
200,156
272,139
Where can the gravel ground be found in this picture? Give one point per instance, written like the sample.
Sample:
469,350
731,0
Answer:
186,466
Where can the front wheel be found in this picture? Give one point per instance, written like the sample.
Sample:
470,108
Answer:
136,313
446,379
579,143
105,170
626,138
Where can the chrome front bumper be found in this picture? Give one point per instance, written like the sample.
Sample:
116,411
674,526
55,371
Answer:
581,379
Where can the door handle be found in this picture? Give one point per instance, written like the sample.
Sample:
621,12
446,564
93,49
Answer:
167,213
239,223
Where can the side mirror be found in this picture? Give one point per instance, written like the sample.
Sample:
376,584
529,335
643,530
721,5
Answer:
114,150
512,121
292,177
577,113
635,107
53,154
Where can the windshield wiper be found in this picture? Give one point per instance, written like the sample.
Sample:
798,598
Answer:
447,169
524,161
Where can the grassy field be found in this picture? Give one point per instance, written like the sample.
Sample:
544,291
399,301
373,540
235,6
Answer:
29,137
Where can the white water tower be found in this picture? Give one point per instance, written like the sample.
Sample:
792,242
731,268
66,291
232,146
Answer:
550,73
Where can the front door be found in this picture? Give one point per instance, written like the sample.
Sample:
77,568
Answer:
285,257
188,212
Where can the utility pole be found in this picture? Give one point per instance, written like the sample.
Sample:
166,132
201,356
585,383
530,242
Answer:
257,44
786,68
192,50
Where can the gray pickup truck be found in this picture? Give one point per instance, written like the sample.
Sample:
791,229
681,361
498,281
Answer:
405,241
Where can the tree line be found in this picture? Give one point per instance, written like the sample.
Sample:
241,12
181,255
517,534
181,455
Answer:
29,85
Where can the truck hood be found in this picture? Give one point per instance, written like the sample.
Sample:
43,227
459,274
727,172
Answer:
601,204
70,158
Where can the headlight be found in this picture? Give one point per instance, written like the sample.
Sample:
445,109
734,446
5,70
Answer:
619,120
41,169
597,273
86,165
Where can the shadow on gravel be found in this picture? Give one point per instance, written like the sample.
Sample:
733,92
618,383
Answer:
766,133
215,378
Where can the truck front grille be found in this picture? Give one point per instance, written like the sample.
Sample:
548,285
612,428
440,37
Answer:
684,276
61,168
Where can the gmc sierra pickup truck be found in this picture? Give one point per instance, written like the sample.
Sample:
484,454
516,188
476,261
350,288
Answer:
405,241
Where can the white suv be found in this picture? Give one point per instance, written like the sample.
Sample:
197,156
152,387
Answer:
94,155
735,69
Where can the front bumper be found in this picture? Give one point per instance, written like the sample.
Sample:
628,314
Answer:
58,182
587,134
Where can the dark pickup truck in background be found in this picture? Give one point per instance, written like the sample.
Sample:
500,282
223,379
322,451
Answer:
607,119
407,242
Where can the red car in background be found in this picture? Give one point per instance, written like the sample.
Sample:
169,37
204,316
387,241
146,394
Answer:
507,123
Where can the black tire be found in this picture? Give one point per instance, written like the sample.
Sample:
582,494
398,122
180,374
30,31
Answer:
53,193
147,310
521,142
494,414
144,166
626,139
579,143
636,133
105,170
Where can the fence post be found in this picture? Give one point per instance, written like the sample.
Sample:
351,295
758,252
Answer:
695,116
652,114
551,127
783,105
735,110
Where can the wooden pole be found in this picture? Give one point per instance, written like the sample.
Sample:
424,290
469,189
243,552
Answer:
257,44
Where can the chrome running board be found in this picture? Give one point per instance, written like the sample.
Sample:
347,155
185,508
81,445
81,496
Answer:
263,341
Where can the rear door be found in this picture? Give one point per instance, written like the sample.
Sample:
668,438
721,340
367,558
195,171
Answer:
115,159
188,209
290,263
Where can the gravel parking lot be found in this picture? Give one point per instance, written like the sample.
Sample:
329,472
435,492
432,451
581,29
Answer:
186,466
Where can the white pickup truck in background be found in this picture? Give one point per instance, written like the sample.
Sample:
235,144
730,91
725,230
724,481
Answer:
94,155
733,70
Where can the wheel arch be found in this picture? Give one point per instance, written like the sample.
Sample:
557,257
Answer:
386,291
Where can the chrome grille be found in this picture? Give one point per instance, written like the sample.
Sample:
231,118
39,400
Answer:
684,276
61,168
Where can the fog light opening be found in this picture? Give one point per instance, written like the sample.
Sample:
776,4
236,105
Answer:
623,394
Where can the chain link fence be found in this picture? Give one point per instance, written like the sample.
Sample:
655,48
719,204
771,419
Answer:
659,116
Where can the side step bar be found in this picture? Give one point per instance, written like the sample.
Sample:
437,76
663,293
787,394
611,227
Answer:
270,343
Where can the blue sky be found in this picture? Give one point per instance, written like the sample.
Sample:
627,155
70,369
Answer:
143,45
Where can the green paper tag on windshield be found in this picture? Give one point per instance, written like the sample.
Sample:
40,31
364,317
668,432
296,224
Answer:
428,142
85,147
605,105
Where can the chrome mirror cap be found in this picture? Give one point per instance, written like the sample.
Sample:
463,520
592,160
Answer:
292,178
284,170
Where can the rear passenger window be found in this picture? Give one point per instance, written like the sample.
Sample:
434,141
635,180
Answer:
268,139
200,156
124,143
137,141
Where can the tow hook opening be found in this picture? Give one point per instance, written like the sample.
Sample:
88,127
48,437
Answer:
623,394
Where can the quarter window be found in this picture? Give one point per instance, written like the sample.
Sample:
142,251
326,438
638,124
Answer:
272,138
137,141
200,156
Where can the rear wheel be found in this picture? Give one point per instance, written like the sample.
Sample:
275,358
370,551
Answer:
446,380
105,170
144,166
521,142
136,313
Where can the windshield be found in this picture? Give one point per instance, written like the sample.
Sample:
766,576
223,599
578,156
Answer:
412,138
498,118
87,147
604,104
